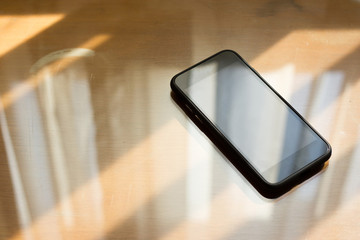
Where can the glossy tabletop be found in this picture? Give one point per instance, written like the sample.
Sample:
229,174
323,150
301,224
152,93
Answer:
93,146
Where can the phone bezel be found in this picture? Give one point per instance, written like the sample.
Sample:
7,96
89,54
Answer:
266,188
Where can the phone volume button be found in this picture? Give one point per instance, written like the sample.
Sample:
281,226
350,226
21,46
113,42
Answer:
189,108
198,118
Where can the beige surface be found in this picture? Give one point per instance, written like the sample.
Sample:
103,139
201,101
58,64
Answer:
93,147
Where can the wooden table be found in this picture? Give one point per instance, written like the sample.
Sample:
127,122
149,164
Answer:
92,145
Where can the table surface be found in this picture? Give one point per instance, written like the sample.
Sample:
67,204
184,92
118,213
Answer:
93,146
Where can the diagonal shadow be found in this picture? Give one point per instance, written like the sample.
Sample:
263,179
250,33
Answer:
128,26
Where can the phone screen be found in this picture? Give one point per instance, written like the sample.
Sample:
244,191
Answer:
263,128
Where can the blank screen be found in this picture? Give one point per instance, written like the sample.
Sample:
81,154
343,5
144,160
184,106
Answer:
272,137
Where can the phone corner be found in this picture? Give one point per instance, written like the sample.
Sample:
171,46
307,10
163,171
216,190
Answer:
172,82
328,150
271,191
228,50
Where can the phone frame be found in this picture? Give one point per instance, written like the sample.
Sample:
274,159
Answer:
265,188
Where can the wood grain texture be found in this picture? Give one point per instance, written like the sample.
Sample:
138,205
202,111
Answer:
93,147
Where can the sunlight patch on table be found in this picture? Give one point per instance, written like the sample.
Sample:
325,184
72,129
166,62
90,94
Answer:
28,25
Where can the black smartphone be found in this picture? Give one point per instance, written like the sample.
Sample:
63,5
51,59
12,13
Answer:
262,135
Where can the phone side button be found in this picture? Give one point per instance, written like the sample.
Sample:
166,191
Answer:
187,106
198,118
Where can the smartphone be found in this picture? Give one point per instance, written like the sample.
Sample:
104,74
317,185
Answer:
261,134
